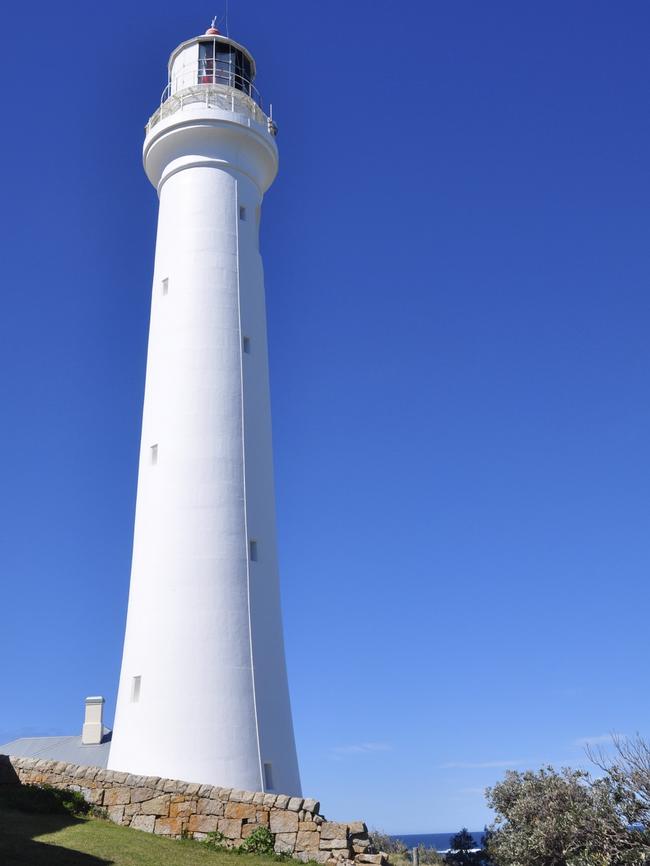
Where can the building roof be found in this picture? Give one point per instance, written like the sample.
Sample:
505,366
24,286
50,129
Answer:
68,749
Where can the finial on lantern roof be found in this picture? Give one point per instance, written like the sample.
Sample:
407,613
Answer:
212,29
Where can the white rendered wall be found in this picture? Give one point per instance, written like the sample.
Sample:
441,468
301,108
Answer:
204,629
184,70
273,709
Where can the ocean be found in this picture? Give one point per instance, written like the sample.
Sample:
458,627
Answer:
439,841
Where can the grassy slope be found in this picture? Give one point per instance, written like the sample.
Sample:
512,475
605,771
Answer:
55,840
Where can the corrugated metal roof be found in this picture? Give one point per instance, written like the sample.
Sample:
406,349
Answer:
69,749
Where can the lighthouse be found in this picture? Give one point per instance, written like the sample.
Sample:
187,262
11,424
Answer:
203,693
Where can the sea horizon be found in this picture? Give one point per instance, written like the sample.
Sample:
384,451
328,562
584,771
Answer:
439,841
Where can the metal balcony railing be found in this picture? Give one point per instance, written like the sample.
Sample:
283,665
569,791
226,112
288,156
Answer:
214,86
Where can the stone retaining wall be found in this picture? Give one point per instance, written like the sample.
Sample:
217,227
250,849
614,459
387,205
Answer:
172,808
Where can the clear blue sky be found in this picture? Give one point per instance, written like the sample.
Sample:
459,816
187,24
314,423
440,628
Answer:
457,270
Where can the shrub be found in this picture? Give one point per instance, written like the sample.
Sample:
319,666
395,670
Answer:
463,850
381,841
260,841
559,818
216,839
429,856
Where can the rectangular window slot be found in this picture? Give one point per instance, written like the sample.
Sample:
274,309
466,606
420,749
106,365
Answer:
154,455
247,345
253,550
165,285
242,212
135,689
268,777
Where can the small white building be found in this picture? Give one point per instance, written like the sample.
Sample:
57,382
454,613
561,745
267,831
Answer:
203,693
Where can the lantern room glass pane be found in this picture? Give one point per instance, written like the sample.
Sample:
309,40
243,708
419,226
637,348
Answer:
206,62
223,63
220,63
243,72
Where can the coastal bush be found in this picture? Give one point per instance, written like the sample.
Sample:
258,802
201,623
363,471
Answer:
462,849
400,854
628,776
561,818
429,856
383,842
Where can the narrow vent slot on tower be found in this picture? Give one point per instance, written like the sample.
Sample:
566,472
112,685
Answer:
165,285
253,550
154,455
268,777
242,212
135,689
247,345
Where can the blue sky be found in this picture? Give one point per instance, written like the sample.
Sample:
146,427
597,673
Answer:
456,254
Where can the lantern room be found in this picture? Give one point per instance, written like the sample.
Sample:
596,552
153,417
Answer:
211,59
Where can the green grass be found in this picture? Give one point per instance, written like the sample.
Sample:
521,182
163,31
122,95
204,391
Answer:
61,840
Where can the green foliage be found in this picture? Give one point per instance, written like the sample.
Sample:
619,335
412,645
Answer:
628,776
216,839
551,818
429,857
381,841
399,854
43,799
260,841
463,841
462,849
483,855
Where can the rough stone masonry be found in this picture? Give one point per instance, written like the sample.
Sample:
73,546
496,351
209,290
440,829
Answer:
172,808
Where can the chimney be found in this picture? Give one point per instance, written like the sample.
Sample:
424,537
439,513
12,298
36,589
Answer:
93,729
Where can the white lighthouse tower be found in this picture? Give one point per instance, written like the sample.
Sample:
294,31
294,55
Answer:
203,692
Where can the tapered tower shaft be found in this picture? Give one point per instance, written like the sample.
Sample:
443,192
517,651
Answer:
203,692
